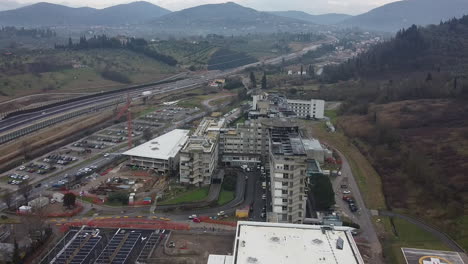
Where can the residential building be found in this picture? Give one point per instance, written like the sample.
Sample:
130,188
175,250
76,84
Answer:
199,156
160,154
308,108
243,145
258,242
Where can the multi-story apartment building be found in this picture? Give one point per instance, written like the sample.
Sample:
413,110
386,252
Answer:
307,108
199,156
288,160
243,145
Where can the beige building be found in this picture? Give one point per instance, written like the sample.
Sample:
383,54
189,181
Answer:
199,156
243,145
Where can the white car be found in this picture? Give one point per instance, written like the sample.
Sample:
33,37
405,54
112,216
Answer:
346,192
221,213
192,216
106,155
264,196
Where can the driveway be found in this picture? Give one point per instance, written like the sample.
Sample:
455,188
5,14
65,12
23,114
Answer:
363,215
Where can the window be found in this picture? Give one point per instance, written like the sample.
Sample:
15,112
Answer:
284,208
291,193
301,181
285,200
300,206
300,197
284,183
284,192
299,214
290,209
301,190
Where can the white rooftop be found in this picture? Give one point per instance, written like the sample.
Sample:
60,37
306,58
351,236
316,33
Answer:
312,144
163,147
219,259
275,243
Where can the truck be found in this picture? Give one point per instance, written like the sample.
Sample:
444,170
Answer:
146,93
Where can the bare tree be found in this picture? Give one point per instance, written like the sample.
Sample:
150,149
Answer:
25,190
7,198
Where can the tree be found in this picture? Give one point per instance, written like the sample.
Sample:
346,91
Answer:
253,80
7,198
264,81
119,197
311,71
147,134
323,193
70,42
69,200
16,259
25,190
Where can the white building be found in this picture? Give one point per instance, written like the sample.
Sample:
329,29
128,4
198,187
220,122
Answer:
199,156
308,108
273,243
160,154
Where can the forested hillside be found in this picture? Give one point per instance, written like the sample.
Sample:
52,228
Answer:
406,108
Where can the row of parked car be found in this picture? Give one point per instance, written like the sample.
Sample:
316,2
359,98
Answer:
351,203
59,159
16,179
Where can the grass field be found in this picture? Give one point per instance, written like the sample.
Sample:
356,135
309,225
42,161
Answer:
367,178
189,196
85,75
409,235
225,197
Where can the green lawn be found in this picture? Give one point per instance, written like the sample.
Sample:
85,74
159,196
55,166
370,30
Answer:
189,196
225,197
332,114
409,235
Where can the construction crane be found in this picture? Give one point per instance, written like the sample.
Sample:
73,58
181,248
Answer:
126,108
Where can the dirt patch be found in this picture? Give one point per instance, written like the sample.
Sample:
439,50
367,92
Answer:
193,248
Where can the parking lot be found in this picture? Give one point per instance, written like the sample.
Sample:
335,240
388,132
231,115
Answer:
102,142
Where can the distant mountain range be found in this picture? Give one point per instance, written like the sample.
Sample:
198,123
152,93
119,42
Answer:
46,14
227,18
325,19
395,16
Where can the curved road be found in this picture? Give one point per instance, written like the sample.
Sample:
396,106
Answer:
433,230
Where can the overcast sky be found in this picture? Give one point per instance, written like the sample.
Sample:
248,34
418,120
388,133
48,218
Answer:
311,6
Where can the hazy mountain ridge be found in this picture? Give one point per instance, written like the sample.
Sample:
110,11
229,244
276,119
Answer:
324,19
46,14
402,14
228,18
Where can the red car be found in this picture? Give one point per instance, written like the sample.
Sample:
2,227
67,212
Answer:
196,220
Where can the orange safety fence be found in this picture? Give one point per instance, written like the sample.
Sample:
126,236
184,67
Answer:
72,213
206,219
130,223
105,172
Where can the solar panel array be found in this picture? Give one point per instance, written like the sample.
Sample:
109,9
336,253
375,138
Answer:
153,241
105,246
119,247
79,249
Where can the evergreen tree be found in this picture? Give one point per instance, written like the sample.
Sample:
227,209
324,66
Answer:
323,193
16,259
264,81
70,43
253,80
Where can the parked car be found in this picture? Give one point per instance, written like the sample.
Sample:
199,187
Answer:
346,192
171,244
221,213
196,220
192,216
264,196
344,186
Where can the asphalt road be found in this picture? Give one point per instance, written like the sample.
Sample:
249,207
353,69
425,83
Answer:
363,215
12,123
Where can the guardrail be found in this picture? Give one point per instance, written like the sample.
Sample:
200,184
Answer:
42,124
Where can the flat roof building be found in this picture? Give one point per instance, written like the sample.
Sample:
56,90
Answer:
199,156
160,154
258,242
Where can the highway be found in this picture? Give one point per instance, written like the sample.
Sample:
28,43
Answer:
10,124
